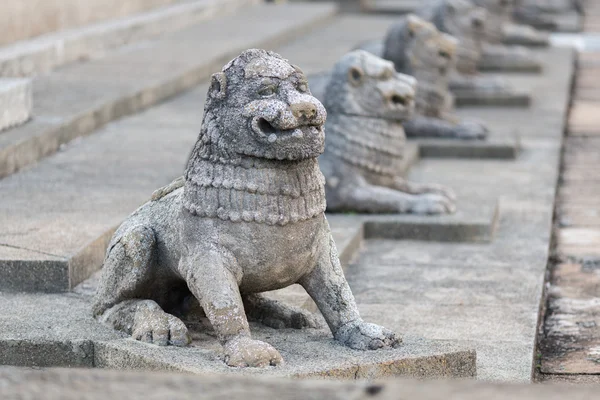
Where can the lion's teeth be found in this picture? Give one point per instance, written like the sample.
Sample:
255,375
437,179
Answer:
297,133
272,138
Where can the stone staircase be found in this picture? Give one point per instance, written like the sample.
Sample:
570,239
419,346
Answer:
75,100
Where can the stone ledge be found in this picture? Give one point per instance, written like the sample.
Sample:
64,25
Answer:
74,384
15,102
58,330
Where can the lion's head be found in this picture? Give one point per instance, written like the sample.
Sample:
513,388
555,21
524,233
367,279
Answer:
260,106
465,21
363,84
417,48
500,13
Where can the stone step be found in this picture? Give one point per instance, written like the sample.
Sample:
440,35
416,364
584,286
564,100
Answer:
15,102
59,331
77,99
44,53
93,384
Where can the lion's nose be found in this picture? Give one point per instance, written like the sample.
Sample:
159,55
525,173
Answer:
304,111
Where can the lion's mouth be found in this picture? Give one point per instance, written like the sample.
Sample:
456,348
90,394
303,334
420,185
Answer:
267,130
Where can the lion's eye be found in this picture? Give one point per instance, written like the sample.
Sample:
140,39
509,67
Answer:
268,90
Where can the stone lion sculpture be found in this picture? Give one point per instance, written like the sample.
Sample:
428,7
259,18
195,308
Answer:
467,22
367,101
543,14
501,28
495,54
247,217
417,48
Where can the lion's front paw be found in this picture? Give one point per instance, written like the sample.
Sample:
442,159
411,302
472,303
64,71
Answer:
360,335
160,328
243,351
471,130
433,188
432,203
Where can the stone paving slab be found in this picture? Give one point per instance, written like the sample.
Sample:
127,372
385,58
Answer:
71,384
571,329
77,99
47,52
15,102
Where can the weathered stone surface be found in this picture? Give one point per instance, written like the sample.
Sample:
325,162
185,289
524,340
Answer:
77,99
19,22
15,102
570,338
54,384
42,54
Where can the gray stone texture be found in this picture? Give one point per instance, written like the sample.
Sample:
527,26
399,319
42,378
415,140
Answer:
19,23
54,384
78,99
40,55
15,102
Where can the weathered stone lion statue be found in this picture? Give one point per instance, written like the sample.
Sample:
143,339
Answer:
248,219
495,54
467,22
543,14
367,101
417,48
501,28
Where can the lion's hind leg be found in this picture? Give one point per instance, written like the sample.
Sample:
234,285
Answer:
276,314
123,296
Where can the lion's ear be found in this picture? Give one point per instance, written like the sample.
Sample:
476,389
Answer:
355,76
218,86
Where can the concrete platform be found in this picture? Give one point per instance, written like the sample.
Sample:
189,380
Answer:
15,102
58,331
80,98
